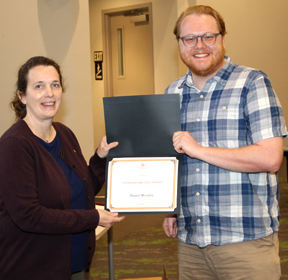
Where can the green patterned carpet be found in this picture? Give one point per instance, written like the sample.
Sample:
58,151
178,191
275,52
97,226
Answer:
141,247
140,254
283,234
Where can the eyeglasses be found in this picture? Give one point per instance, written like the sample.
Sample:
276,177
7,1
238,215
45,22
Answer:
191,41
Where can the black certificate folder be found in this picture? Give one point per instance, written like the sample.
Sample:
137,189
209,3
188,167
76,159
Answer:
144,126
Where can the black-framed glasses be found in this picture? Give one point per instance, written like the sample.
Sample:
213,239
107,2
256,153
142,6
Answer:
191,41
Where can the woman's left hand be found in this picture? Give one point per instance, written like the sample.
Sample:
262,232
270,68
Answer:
104,148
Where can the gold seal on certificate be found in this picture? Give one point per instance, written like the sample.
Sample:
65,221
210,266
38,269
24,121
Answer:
142,184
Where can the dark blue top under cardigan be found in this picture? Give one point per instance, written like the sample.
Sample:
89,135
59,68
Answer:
78,251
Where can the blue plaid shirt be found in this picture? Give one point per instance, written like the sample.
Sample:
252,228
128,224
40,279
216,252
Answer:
237,107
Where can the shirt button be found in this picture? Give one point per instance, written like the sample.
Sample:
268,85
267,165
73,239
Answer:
201,96
198,119
199,221
84,179
224,107
89,197
197,193
197,169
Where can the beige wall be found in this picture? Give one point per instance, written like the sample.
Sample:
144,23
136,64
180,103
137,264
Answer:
255,38
164,13
57,29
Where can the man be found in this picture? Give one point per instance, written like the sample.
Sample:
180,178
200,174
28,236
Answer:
232,146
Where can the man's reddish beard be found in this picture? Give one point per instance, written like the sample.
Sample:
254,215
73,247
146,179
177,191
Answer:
216,64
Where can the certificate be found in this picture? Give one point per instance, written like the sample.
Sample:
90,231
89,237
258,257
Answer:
142,184
142,172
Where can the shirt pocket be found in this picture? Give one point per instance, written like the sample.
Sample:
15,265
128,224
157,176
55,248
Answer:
226,124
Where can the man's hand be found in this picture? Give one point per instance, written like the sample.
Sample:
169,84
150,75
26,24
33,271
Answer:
184,143
170,226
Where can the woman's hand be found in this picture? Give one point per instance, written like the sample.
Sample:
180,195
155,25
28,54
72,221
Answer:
107,219
104,148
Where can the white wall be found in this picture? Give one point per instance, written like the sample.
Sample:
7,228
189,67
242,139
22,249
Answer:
59,30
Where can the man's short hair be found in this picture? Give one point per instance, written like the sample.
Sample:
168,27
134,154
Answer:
200,10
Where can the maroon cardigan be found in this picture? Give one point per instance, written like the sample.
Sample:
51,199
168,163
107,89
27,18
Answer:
36,224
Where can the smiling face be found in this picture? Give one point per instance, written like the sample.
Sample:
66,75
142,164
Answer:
202,60
43,94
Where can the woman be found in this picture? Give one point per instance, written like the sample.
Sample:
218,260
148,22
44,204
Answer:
47,208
